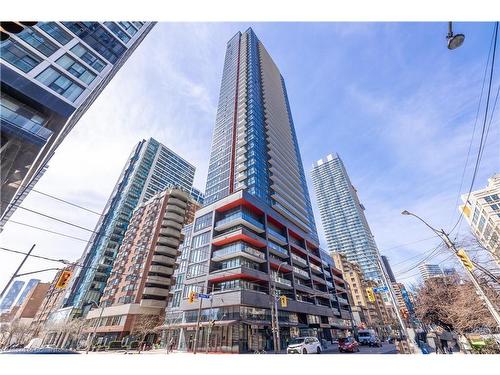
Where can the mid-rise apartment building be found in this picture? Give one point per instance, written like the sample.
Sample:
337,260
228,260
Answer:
481,210
342,215
150,169
428,271
51,72
142,274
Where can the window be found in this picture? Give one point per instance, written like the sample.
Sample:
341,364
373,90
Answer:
98,38
129,28
55,31
76,69
199,254
60,84
18,56
38,41
195,270
203,222
117,31
200,240
88,57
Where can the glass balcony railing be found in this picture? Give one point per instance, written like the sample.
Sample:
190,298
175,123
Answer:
315,267
240,215
299,259
277,248
236,248
283,281
273,233
300,272
24,124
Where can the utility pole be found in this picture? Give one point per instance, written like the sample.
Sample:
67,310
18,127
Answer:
484,297
212,321
450,245
197,325
273,322
18,269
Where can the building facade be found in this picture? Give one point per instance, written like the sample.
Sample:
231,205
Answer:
428,271
29,285
151,168
342,215
11,295
31,304
482,212
51,72
255,237
141,278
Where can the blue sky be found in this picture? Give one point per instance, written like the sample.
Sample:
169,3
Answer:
396,105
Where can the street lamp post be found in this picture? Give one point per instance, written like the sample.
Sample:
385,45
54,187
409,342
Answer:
450,245
95,326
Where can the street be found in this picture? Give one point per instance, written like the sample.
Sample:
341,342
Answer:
385,349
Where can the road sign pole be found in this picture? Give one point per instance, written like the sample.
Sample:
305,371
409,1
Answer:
197,326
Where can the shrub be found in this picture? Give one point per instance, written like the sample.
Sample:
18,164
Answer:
115,345
134,345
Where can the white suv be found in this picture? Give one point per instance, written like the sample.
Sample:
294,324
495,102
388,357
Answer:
304,345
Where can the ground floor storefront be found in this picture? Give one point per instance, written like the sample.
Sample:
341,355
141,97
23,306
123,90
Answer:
240,336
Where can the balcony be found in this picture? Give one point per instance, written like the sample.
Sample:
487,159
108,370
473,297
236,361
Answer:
23,127
240,218
277,262
282,282
171,224
342,301
153,303
166,250
329,285
277,237
298,260
238,249
161,270
318,279
301,273
177,202
173,216
170,232
277,250
163,260
152,291
175,209
169,241
316,269
242,234
167,281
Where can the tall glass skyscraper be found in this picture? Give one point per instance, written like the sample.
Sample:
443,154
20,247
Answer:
254,145
29,285
255,237
150,169
11,295
51,72
342,215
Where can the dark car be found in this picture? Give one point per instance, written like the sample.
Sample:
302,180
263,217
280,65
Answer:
375,341
348,344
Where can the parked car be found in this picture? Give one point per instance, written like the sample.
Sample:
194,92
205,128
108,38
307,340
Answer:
348,344
304,345
366,336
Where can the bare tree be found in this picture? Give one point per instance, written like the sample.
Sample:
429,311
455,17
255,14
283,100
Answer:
144,325
452,305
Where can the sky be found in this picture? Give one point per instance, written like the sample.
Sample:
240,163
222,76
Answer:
390,98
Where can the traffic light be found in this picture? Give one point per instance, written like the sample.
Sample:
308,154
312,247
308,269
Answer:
62,281
283,301
370,294
192,296
464,258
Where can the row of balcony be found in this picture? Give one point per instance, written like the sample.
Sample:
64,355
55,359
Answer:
240,218
239,249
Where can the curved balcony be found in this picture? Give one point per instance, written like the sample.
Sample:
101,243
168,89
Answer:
166,250
179,194
174,216
153,303
163,260
177,202
170,232
175,209
161,270
152,291
169,241
167,281
171,224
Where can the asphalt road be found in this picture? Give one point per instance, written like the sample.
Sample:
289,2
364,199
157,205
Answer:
385,349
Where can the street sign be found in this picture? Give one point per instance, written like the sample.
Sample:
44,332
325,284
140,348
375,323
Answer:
381,289
201,295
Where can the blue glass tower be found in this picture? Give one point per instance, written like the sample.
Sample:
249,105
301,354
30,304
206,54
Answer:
254,145
151,168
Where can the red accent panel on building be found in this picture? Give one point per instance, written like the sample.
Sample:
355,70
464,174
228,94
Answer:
239,237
